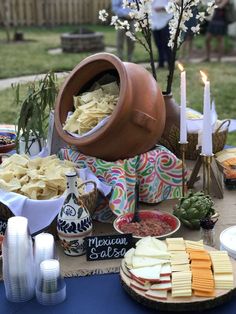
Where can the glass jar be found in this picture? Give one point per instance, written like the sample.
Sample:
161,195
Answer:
208,236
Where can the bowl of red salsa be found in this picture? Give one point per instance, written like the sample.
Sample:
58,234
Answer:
153,223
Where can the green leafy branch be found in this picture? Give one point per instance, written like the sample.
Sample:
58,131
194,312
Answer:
35,109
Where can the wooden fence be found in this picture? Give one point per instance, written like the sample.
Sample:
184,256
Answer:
51,12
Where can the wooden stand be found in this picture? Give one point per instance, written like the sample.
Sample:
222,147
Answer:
212,177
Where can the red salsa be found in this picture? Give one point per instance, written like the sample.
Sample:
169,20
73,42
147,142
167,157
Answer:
147,227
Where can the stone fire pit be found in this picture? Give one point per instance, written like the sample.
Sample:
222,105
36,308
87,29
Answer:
82,40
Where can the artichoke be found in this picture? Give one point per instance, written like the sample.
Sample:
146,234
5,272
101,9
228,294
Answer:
194,207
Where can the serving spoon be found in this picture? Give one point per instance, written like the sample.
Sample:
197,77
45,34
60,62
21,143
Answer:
136,217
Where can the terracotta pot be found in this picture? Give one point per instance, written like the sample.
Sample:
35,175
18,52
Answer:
138,120
170,136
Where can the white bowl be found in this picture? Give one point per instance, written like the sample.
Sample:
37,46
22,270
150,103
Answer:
228,241
170,219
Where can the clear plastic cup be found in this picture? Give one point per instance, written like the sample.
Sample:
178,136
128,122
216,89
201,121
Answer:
18,263
50,286
17,225
44,249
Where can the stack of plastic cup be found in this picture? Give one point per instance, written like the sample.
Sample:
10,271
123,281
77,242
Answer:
44,248
50,286
18,263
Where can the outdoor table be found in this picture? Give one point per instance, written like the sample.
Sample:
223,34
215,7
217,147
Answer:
103,294
100,294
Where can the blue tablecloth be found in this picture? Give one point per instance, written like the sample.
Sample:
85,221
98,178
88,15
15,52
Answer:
99,294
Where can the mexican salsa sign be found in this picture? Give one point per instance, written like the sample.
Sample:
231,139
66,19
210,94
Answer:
107,246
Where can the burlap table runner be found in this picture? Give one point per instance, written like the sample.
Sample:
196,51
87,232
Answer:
78,266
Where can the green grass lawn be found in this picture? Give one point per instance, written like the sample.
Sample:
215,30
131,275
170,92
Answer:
31,57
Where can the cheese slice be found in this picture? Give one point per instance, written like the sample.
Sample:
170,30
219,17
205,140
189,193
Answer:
224,277
140,280
181,293
139,286
157,294
176,247
199,293
178,268
165,269
160,245
128,257
194,244
175,240
224,286
151,252
147,273
199,257
143,261
181,284
164,279
124,269
203,280
161,286
153,243
175,254
183,274
179,261
220,253
125,278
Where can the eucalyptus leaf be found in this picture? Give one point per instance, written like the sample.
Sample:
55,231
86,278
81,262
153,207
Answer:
35,109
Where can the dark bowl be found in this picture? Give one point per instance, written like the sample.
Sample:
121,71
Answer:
8,147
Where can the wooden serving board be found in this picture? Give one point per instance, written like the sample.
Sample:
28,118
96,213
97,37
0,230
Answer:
181,303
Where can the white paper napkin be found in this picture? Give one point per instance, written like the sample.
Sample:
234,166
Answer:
40,213
93,130
196,125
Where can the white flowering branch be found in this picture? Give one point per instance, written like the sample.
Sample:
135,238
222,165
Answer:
140,14
182,11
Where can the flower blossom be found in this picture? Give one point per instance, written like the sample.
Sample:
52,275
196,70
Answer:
103,15
201,16
195,29
130,35
114,20
182,11
140,15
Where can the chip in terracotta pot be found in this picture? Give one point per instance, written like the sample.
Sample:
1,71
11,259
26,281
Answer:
91,107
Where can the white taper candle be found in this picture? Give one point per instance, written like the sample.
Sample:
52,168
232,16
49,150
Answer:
207,128
183,125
